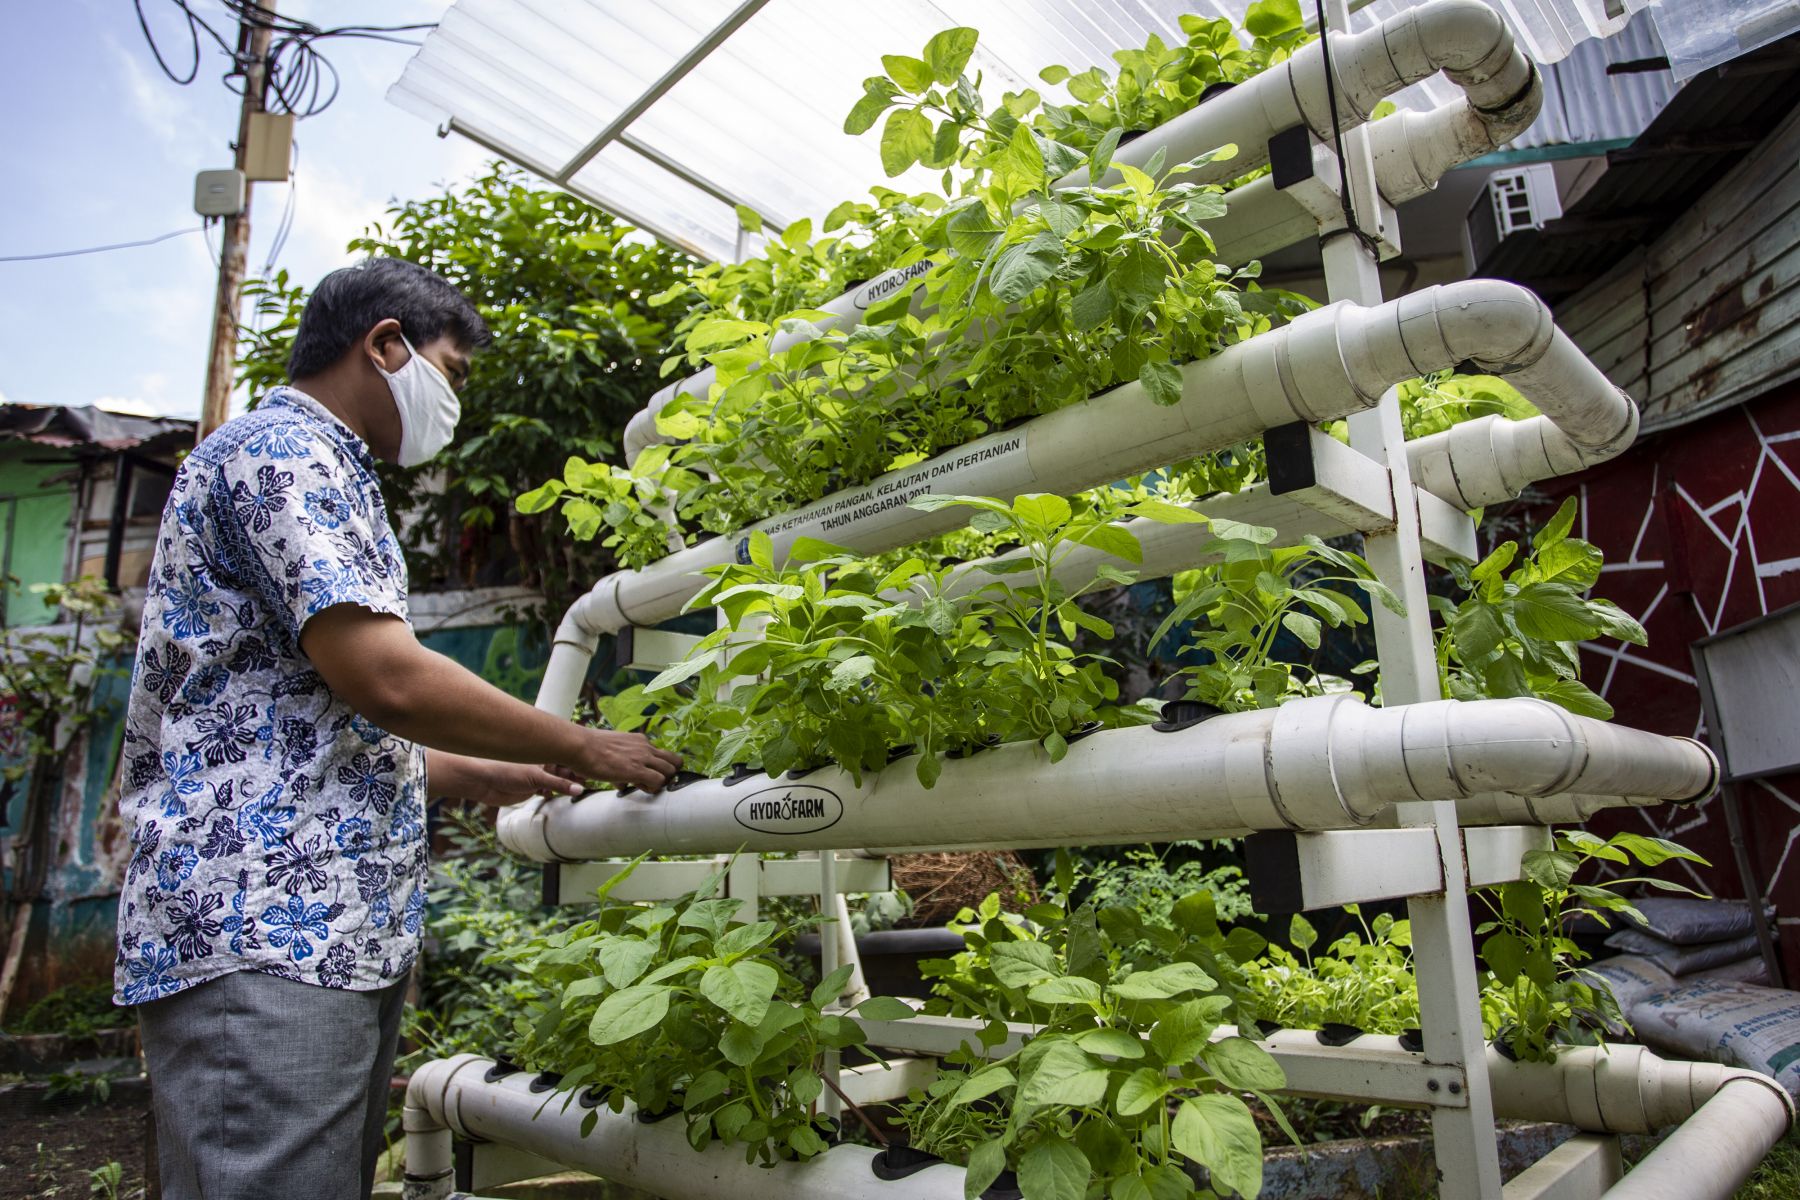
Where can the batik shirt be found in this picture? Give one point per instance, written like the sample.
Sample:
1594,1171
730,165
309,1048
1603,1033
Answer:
272,828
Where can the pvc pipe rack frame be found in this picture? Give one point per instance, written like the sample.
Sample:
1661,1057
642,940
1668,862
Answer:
1419,799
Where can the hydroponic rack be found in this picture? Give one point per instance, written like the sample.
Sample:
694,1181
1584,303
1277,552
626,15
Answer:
1420,799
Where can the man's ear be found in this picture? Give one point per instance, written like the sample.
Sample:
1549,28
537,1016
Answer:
385,345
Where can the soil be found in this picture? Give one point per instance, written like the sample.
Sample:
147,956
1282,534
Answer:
47,1152
1330,1121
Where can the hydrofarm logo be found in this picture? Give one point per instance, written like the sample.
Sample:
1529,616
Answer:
789,810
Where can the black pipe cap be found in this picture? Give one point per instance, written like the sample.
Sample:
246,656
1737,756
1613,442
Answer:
1185,714
898,1162
1085,729
546,1081
1413,1040
739,773
500,1070
681,779
1336,1033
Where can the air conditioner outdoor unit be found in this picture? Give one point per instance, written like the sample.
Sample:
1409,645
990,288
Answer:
1514,199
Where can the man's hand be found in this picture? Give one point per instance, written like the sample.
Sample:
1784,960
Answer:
613,757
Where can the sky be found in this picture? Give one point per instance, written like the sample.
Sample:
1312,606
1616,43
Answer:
100,146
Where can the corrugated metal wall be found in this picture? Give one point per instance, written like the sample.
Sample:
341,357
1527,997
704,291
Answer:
1708,315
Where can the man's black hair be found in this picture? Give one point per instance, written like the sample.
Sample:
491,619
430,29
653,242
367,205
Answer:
351,301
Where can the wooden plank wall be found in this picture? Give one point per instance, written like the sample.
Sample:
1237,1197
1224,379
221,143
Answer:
1708,314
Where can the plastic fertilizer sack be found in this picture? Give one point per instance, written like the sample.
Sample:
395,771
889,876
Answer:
1682,960
1631,978
1739,1024
1693,922
1744,970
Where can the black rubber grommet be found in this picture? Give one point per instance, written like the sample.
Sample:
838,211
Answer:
500,1070
590,1097
900,752
1504,1047
986,743
546,1081
650,1118
681,779
1413,1040
1005,1187
1185,714
1213,91
803,772
1086,729
739,773
1264,1030
1335,1033
898,1162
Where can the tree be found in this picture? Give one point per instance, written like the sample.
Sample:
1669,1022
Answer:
577,347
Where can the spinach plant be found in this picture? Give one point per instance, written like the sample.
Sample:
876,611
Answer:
1362,979
1125,1083
1535,988
677,1007
1518,631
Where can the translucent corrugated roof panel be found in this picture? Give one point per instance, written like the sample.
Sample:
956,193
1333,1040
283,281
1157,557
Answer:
757,118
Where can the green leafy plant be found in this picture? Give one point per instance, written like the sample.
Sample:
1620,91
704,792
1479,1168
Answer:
1125,1082
74,1011
677,1007
1518,631
105,1181
1240,605
1364,979
1535,988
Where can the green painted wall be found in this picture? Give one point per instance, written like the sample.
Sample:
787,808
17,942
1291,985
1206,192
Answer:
34,527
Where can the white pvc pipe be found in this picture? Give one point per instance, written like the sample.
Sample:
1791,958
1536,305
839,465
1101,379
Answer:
1411,151
655,1158
1323,763
1713,1152
1326,364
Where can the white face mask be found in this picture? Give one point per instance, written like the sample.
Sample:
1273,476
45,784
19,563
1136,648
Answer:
428,407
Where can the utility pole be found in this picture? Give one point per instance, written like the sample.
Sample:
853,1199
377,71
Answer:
253,53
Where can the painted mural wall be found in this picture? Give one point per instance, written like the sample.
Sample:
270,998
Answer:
1701,530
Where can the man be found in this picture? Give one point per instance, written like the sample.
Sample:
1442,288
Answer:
285,729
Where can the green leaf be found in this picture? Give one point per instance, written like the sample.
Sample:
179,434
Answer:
1219,1133
627,1013
1162,382
1476,630
850,672
1505,955
1558,527
885,1008
1100,160
912,74
1553,612
982,1083
1243,1066
1304,627
1162,982
1140,1090
1653,851
1271,18
1114,1042
1023,268
1137,278
1301,932
1569,561
1054,1170
1091,308
1112,539
971,230
986,1162
1071,989
743,989
1022,964
832,986
905,139
947,53
744,938
1042,510
623,960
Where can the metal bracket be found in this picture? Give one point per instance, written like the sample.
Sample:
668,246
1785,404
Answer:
1299,872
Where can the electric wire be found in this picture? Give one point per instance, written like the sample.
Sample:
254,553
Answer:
297,78
101,249
1337,140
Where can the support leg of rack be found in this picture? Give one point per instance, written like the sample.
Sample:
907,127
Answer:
1463,1137
829,1103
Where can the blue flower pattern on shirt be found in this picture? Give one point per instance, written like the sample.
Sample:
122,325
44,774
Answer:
272,828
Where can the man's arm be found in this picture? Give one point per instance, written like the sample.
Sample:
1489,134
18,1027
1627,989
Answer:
373,663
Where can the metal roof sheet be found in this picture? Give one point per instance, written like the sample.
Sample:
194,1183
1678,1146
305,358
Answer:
668,113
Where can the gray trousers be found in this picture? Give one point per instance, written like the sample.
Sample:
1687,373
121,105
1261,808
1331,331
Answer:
268,1087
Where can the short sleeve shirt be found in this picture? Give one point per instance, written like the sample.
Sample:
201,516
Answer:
272,828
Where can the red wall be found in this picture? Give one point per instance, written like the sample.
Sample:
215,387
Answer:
1701,531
